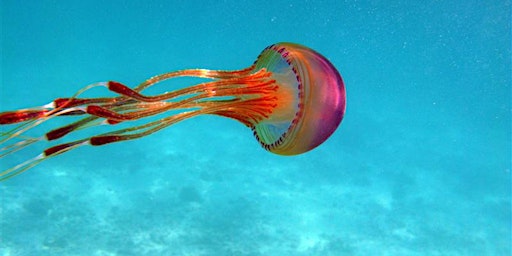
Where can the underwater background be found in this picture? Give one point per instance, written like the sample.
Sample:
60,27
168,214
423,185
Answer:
419,166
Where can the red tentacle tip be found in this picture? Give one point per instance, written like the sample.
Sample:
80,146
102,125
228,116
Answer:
118,87
69,102
60,132
55,150
21,116
125,90
100,111
102,140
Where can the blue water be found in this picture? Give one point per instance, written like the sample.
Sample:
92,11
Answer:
419,166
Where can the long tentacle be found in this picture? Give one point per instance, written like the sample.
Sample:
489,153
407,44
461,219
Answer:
231,90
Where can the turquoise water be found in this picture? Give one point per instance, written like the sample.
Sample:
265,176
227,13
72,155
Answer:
419,166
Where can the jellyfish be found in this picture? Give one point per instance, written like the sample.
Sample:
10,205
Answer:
292,98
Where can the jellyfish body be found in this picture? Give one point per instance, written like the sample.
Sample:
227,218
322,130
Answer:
312,105
292,98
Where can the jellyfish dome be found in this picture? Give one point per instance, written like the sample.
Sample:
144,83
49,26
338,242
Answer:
312,99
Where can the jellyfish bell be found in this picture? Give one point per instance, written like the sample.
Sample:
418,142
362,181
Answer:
312,99
292,98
